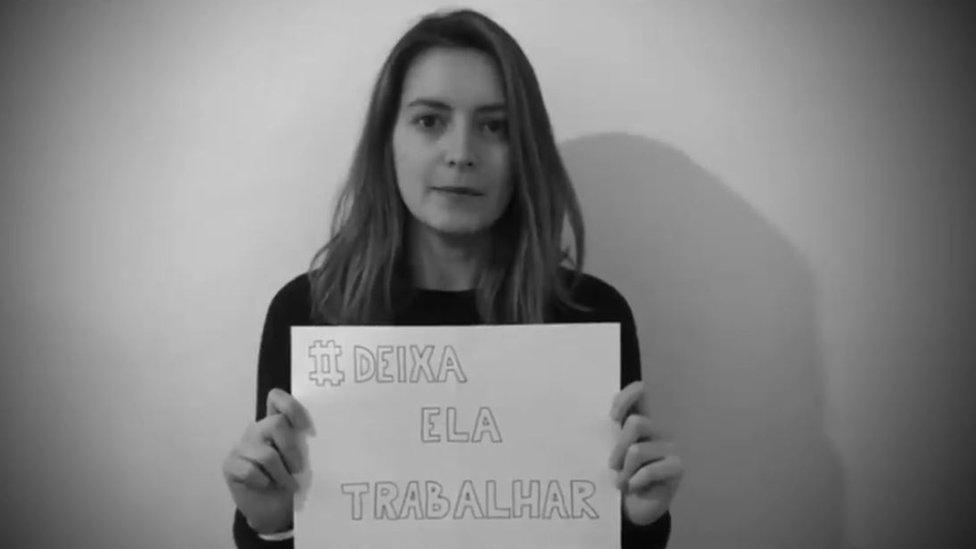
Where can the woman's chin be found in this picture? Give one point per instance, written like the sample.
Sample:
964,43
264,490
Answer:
459,228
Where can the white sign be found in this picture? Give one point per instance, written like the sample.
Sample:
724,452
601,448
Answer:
458,436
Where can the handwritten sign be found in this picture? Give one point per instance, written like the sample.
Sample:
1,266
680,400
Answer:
458,436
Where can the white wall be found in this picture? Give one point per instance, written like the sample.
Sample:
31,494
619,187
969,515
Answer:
781,189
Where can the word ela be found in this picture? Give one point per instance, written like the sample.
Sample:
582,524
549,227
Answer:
521,499
432,429
385,364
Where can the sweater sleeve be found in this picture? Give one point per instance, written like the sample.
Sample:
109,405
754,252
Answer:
274,356
246,538
656,534
274,370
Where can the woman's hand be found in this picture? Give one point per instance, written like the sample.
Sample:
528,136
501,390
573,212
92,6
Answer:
649,470
261,469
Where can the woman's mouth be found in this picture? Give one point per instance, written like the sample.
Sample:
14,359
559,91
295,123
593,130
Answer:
460,191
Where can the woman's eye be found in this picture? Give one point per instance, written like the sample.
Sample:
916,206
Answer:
426,121
498,127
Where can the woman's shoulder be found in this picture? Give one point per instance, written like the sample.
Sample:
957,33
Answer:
604,301
293,301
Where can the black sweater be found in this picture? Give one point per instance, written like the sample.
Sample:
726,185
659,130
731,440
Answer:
291,306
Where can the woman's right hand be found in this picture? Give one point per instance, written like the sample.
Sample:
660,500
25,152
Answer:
261,470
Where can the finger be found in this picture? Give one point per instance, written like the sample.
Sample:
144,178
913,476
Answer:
245,471
669,468
640,454
636,428
626,399
284,439
280,402
269,461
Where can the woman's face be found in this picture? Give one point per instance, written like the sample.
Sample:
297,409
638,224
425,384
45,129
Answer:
450,142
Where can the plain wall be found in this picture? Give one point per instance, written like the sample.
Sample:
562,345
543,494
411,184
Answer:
782,190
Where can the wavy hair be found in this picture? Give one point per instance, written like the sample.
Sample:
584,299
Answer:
360,275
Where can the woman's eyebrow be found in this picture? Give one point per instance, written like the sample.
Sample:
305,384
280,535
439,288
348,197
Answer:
442,105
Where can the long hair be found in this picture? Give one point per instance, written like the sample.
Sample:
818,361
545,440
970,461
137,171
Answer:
360,275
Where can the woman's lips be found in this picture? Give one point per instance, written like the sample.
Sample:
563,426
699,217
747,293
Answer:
460,191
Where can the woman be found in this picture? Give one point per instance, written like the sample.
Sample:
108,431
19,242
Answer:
452,214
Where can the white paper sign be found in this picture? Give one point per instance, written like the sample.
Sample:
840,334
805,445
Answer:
458,436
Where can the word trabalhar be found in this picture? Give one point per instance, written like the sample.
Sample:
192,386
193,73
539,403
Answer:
386,500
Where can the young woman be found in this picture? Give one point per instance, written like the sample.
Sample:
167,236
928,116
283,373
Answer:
453,213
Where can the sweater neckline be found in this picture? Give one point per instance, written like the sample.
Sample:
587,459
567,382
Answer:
430,292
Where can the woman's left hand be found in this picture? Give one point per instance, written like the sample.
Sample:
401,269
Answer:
649,470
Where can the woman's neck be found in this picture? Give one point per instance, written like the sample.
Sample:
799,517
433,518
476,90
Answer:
446,262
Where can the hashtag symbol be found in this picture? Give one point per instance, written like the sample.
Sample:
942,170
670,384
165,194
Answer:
325,367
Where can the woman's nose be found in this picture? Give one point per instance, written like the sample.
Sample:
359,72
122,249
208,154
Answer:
460,147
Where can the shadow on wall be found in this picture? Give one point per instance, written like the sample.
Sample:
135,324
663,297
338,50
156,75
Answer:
726,315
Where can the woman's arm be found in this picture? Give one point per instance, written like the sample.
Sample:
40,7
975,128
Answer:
656,534
273,372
